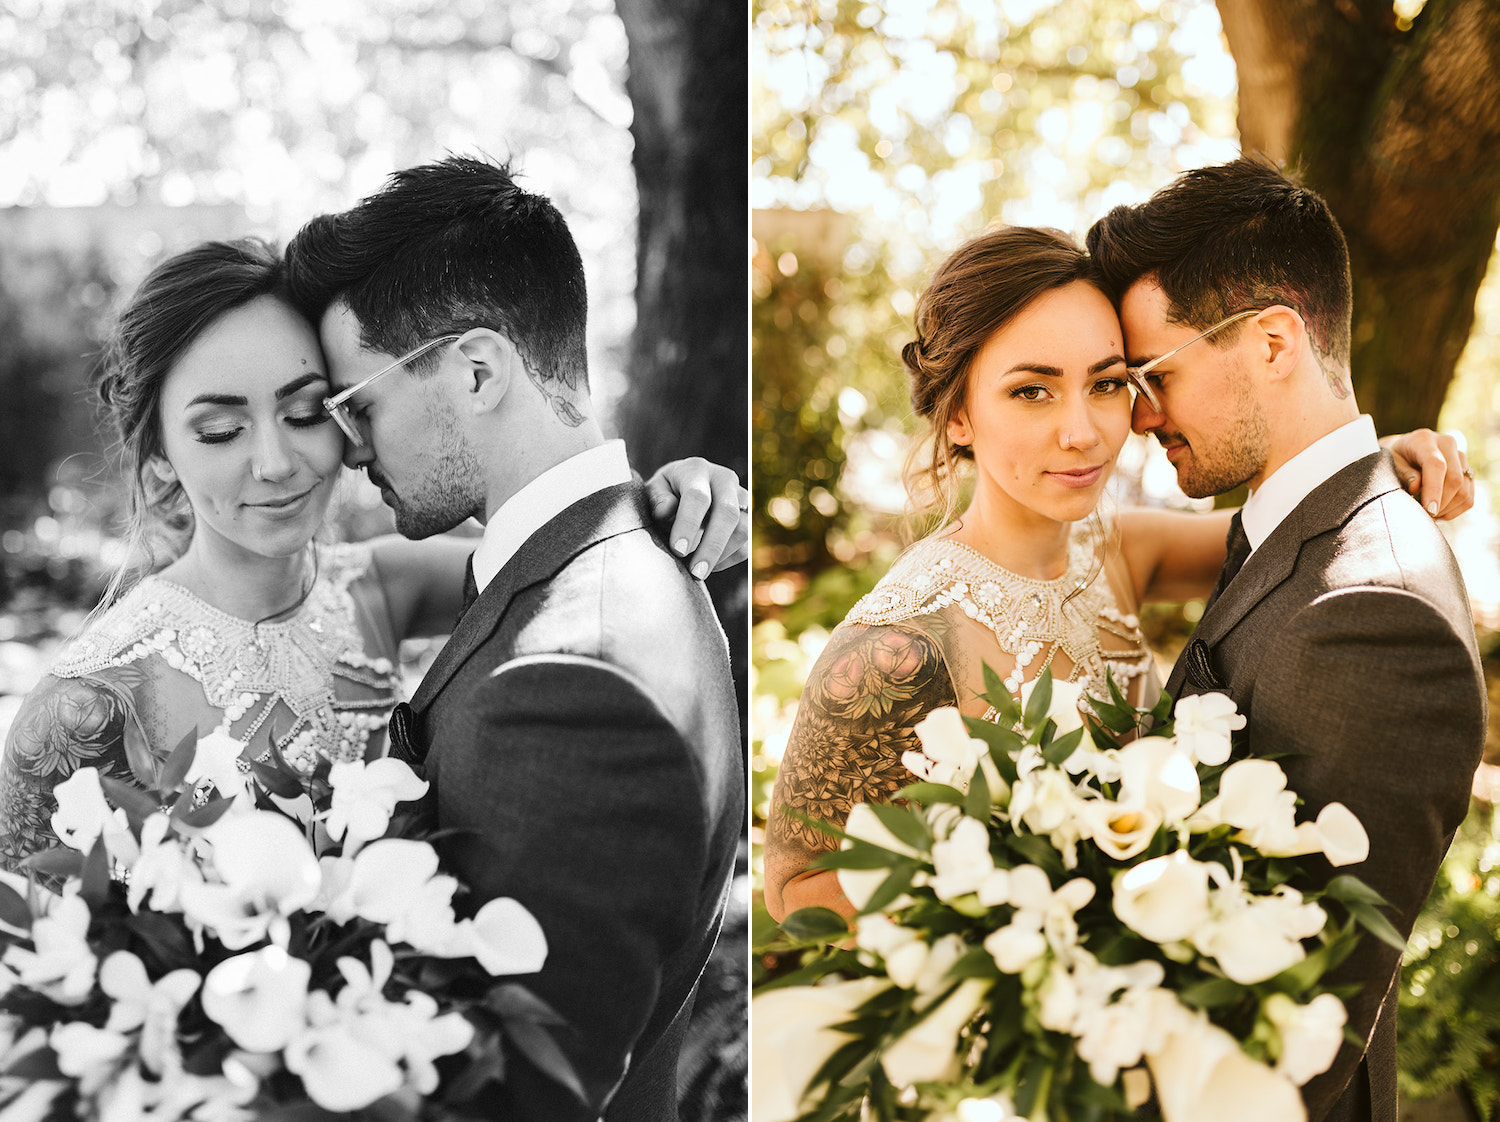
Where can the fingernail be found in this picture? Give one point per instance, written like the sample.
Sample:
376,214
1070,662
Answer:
1432,508
680,546
700,570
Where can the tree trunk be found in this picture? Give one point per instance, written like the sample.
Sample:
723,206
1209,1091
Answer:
688,369
1398,131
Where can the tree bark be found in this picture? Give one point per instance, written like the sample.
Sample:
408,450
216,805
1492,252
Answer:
688,83
1398,131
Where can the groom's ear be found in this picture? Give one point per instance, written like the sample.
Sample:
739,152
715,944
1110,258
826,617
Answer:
490,366
1285,339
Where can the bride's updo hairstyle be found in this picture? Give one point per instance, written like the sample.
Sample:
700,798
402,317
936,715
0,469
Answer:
980,288
180,299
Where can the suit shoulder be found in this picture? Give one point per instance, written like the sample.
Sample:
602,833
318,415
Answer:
1391,541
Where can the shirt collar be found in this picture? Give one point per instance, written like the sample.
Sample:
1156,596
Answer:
1303,474
543,499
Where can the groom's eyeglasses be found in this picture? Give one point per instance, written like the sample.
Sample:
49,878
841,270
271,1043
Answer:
337,406
1138,374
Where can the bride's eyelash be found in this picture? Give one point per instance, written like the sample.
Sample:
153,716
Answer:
1022,391
223,436
217,437
308,421
1110,384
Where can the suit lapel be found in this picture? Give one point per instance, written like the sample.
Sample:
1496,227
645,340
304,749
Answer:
604,514
1327,508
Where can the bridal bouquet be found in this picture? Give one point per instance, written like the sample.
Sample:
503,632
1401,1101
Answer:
1056,926
229,945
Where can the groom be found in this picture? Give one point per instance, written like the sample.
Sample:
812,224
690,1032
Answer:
1340,625
579,730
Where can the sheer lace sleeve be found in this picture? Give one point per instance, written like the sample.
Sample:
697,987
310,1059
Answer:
63,725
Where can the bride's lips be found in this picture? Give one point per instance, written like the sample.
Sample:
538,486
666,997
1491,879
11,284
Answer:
285,506
1082,477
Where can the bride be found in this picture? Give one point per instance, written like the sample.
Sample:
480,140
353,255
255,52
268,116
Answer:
1019,369
214,387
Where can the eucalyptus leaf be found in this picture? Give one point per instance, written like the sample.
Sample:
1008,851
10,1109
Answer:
822,924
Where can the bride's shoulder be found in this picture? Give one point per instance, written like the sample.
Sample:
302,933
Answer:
915,583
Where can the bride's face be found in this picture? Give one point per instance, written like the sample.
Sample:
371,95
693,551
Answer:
1048,406
245,433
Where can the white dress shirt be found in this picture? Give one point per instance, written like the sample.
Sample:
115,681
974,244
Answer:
1303,474
543,499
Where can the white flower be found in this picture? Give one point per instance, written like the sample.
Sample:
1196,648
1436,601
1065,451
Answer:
505,937
946,951
928,1051
1117,1035
164,866
345,1063
259,997
365,795
1059,1000
1202,725
152,1007
1043,918
87,1053
216,760
1257,937
1121,831
1164,899
1156,774
860,884
1202,1076
1018,944
1310,1034
83,814
266,869
62,965
791,1036
963,865
1046,800
949,754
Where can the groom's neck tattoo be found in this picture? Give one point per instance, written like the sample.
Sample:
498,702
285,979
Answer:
868,690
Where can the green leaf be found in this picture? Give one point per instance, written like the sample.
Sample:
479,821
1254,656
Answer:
894,885
137,804
39,1063
298,1112
1063,747
537,1045
1112,717
209,813
977,805
180,762
929,793
13,908
1004,744
510,1001
276,781
1376,924
822,924
1036,710
906,824
95,889
1033,1085
1212,993
168,942
976,962
56,862
1349,888
138,753
1039,852
860,855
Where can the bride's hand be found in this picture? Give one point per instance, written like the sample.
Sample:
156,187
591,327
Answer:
703,511
1434,463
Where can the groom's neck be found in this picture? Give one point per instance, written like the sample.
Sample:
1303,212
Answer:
515,454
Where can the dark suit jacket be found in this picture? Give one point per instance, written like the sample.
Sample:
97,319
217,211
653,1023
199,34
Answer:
581,724
1347,639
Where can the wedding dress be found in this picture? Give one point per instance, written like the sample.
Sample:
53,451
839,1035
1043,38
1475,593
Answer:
161,661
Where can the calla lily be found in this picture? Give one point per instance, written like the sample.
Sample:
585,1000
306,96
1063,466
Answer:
949,754
1343,835
928,1051
1164,899
963,865
1201,1075
1156,774
1119,830
152,1007
1257,937
792,1035
266,869
1064,708
258,997
83,814
216,760
164,866
505,938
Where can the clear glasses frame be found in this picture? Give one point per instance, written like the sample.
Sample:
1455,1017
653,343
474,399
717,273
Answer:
337,406
1138,374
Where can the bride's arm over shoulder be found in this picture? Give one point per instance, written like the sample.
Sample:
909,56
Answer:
423,581
63,725
1172,554
866,692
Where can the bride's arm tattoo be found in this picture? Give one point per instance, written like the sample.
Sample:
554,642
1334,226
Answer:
63,725
868,689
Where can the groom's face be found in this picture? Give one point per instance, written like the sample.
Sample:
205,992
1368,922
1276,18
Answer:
414,448
1211,421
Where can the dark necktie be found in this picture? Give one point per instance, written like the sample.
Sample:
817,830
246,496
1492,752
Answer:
1238,545
471,589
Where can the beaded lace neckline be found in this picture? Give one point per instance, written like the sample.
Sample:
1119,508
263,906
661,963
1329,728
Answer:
245,669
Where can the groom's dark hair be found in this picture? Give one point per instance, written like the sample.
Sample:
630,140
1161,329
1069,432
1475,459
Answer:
1226,239
443,248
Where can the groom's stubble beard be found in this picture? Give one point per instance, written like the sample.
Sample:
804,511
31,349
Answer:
449,484
1235,454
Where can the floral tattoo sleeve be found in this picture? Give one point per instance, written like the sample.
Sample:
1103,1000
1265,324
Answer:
64,724
868,689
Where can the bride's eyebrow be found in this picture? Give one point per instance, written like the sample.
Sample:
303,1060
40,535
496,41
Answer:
1056,372
236,399
297,383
